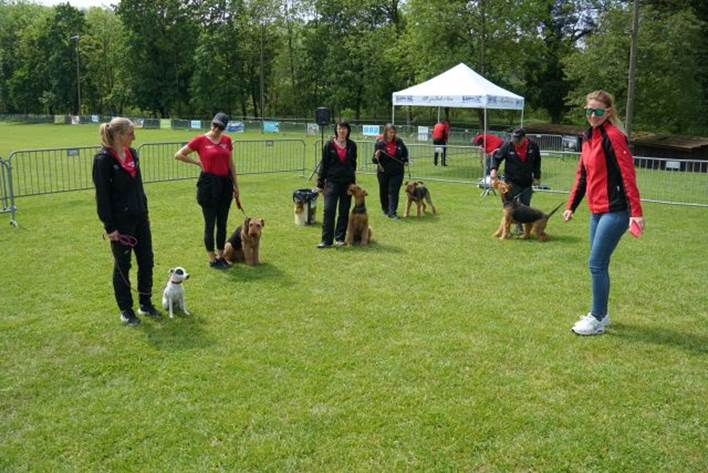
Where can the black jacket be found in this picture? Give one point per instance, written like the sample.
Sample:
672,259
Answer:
119,197
391,166
332,169
521,173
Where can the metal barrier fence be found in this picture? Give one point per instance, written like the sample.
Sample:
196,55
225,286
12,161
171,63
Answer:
7,198
661,180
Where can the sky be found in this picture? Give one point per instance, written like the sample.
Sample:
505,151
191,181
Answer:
77,3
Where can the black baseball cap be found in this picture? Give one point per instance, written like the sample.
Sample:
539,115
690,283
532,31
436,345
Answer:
518,133
220,119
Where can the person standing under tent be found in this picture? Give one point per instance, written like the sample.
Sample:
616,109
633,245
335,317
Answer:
606,176
337,171
123,209
390,156
217,184
441,132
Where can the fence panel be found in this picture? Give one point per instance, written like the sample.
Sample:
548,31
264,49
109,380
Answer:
48,171
7,198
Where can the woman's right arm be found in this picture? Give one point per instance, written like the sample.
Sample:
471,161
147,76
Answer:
102,182
183,155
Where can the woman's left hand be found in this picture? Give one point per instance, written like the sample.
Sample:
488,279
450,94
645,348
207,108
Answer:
639,220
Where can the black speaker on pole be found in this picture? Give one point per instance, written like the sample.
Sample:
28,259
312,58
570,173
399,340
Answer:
322,116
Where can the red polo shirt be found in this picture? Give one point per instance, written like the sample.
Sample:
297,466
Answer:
215,157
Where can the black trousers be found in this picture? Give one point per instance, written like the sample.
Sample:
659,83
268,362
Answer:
140,229
389,189
442,143
335,199
524,193
214,194
216,216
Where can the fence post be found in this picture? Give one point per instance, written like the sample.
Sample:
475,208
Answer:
8,195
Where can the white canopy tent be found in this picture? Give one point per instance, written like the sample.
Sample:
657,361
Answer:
459,87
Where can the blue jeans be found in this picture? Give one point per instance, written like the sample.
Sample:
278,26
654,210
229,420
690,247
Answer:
606,229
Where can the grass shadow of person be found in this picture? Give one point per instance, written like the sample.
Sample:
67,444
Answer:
183,332
375,246
692,342
262,272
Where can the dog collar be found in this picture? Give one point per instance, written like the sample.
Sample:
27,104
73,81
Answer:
359,209
175,282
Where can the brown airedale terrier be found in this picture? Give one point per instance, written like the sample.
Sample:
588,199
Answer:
358,229
245,242
418,193
533,220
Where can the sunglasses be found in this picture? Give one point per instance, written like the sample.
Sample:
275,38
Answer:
597,111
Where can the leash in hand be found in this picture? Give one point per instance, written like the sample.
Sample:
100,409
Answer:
408,165
131,242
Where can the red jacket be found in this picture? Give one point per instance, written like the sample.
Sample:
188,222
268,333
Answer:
440,131
606,173
493,142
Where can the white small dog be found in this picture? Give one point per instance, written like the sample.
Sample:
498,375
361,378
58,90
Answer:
173,295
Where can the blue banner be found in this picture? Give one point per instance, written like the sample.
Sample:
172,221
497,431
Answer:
271,127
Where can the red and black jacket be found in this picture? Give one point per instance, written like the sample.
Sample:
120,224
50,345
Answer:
391,165
333,169
606,173
520,172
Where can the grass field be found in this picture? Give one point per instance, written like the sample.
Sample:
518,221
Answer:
437,348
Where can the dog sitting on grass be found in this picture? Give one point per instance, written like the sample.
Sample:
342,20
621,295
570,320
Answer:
533,220
358,229
418,193
244,244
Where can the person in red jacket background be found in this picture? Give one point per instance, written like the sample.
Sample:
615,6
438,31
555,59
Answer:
606,176
441,130
490,143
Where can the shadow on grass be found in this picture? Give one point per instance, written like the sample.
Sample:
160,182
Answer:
661,336
184,332
263,272
373,245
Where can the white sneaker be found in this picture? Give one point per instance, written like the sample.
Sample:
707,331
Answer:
339,243
589,325
605,321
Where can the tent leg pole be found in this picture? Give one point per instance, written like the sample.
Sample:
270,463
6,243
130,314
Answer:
438,113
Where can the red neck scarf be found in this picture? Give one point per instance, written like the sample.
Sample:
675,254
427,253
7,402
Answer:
128,164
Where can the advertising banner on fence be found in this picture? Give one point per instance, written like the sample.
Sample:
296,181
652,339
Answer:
165,123
422,133
59,119
271,127
313,129
94,118
139,122
75,119
235,127
371,130
195,124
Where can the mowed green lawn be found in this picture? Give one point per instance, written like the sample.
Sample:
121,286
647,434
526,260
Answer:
438,348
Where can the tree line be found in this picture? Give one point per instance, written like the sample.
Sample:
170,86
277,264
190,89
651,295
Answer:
169,58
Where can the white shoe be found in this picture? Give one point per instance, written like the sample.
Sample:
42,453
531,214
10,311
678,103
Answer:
605,321
339,243
589,325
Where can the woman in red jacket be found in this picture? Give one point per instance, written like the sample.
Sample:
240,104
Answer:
606,175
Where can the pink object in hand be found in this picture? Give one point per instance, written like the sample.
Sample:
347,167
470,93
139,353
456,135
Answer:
635,229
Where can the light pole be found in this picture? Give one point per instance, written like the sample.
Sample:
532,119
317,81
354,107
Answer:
78,77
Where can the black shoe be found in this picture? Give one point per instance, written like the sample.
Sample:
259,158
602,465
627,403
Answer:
149,310
321,245
128,317
218,263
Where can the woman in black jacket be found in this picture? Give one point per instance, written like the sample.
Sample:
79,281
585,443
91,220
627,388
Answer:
337,171
390,156
123,209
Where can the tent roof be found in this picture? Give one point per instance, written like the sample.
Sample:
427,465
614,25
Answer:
459,87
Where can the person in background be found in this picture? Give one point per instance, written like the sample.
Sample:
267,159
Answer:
337,171
390,156
489,143
606,176
123,209
441,132
216,186
522,167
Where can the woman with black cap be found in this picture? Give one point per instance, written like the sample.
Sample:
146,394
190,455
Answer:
216,186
